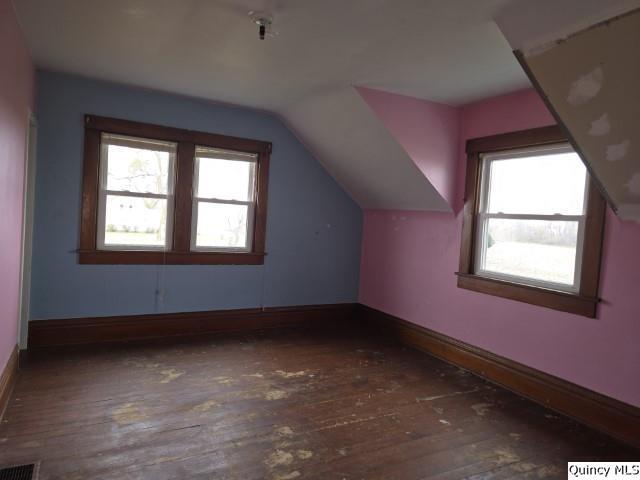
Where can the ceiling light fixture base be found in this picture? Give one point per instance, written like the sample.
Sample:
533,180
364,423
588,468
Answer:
265,24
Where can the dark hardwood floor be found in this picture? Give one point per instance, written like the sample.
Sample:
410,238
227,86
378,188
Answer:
284,404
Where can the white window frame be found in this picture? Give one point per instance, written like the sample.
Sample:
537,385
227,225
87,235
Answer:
483,217
107,139
221,154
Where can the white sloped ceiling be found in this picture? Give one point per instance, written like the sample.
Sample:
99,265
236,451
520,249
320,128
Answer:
361,154
444,51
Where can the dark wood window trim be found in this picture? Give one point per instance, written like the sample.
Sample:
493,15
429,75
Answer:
180,252
586,300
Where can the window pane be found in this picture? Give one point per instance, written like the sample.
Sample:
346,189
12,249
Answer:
135,221
536,249
542,184
221,225
225,179
138,170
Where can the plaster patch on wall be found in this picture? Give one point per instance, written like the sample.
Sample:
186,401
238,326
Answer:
586,87
617,151
634,184
600,126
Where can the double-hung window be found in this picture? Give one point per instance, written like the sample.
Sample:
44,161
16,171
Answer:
136,193
533,222
155,195
224,200
531,217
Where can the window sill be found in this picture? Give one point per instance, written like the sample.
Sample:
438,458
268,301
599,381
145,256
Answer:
562,301
146,257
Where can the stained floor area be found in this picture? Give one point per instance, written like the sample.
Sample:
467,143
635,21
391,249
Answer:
280,405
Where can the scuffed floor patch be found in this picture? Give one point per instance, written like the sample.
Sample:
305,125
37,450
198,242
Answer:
275,395
285,431
205,406
170,375
279,458
284,374
288,476
481,409
505,456
128,413
304,454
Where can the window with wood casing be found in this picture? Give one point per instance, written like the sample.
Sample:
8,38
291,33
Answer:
162,195
533,222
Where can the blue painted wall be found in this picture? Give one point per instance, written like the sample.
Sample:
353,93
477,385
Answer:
313,226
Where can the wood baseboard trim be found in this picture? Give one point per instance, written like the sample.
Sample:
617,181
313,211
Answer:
95,330
8,379
615,418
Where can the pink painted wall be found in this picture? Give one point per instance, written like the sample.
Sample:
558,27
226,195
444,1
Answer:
409,260
427,131
16,98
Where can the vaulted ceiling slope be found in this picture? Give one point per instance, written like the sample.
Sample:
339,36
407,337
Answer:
591,80
438,50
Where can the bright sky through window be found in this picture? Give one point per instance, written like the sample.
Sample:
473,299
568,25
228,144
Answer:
136,179
224,200
531,218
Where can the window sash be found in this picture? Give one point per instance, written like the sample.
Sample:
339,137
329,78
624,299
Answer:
138,142
141,143
216,154
102,220
483,217
103,193
481,248
222,154
485,171
208,152
249,227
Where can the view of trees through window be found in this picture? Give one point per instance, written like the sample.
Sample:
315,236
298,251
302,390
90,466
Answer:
137,193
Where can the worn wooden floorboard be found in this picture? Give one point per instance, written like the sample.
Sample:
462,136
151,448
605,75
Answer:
281,405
